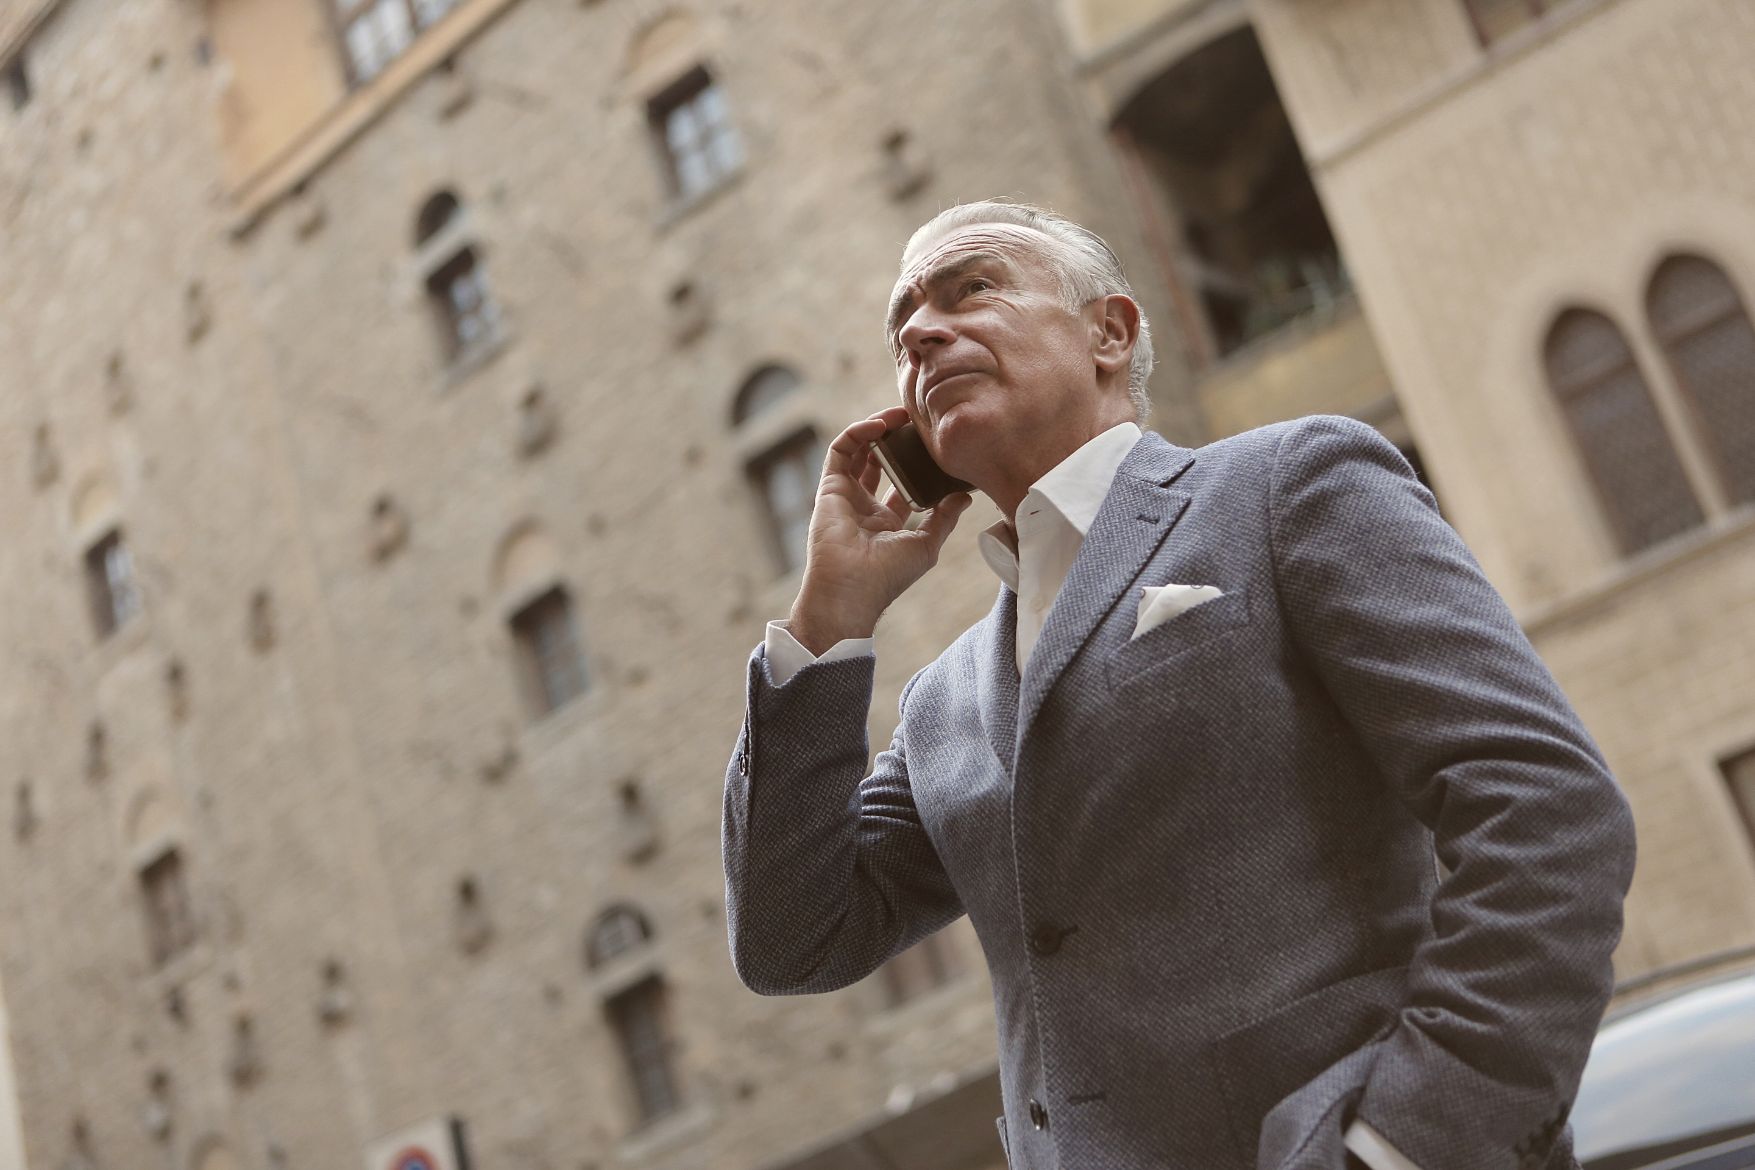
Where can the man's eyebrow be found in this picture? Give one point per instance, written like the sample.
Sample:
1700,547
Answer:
950,270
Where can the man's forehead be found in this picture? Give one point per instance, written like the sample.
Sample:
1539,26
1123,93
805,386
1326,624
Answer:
1012,241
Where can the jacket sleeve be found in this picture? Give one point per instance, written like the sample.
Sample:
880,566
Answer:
1462,717
827,875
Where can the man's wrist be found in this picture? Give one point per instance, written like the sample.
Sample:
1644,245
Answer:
818,626
820,639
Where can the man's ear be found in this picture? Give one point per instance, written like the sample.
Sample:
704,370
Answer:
1114,332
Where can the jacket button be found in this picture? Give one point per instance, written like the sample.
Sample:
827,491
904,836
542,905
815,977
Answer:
1038,1114
1045,940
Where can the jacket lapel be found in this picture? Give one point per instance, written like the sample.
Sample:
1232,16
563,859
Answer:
996,683
1136,516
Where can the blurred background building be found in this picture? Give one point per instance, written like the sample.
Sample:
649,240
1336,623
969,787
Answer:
412,410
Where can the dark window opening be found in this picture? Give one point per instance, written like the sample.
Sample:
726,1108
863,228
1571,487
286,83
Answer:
919,969
468,317
1618,431
1253,249
619,931
553,667
109,575
1704,330
786,476
435,216
18,82
638,1018
169,924
693,127
1739,774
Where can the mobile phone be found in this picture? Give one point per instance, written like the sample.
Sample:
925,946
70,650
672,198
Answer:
923,483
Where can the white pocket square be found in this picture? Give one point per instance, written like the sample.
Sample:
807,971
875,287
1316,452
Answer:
1163,602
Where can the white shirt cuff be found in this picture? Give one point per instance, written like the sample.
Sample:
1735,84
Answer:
1371,1148
787,655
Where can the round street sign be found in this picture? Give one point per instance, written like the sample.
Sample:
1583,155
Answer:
414,1158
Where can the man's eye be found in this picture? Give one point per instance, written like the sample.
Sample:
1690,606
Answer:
979,284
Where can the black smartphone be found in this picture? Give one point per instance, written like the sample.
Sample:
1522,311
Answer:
923,483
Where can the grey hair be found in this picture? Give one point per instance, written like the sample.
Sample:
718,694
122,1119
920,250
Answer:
1085,265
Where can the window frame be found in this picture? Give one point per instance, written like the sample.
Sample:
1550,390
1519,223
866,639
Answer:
445,239
345,14
805,447
1674,334
111,609
1566,385
523,622
638,1015
460,268
619,931
171,929
685,93
18,82
1729,768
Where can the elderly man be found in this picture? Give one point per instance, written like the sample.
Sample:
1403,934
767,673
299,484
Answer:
1188,777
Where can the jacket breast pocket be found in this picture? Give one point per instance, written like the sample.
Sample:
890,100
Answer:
1270,1058
1171,640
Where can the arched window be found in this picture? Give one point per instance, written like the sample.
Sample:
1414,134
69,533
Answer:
1703,326
618,931
638,1012
111,584
548,640
784,473
1618,431
767,386
435,216
170,925
640,1018
457,288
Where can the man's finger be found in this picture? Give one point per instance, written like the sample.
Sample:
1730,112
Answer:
871,476
896,504
838,459
943,518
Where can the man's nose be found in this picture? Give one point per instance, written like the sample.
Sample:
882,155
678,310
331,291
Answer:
924,329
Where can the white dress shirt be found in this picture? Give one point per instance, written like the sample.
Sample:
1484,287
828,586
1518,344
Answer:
1033,561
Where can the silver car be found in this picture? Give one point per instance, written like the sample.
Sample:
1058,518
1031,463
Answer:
1671,1083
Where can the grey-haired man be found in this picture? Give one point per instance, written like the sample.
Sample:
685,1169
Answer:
1188,776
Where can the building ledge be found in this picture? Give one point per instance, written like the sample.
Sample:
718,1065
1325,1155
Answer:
1498,55
945,1124
667,1133
16,32
356,112
1325,361
1722,531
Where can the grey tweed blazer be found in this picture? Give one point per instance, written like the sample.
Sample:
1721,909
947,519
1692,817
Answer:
1201,863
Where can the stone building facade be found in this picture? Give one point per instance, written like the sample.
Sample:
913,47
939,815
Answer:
407,402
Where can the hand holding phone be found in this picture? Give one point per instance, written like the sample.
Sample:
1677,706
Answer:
923,483
865,551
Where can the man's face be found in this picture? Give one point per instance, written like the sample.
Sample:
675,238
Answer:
990,362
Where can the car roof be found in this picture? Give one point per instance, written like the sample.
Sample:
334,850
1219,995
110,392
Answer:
1679,1066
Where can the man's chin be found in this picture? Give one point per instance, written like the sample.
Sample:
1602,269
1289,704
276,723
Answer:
959,438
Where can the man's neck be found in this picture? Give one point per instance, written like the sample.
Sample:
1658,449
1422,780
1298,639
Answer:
1008,495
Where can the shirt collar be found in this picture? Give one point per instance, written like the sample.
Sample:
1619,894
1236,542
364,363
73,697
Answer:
1075,488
